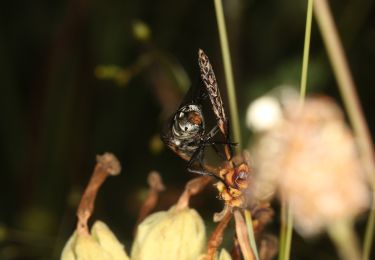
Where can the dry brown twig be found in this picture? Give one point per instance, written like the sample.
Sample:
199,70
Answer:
268,247
262,214
156,186
106,164
217,236
243,238
236,253
191,188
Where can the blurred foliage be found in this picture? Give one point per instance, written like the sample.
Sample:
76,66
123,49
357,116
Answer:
59,110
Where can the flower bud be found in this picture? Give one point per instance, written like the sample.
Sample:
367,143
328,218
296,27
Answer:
224,255
100,244
173,234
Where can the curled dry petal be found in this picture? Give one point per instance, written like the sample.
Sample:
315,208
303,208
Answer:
156,186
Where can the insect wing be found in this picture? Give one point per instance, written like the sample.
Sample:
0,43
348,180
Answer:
209,80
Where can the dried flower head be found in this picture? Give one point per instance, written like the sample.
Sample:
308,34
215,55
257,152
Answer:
235,183
311,159
236,176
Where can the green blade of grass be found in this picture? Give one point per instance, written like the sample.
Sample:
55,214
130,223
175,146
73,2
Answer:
306,51
250,231
288,233
344,238
369,234
287,219
282,230
228,73
232,103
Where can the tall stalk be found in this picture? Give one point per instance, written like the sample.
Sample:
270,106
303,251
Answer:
228,73
287,219
232,103
349,95
306,51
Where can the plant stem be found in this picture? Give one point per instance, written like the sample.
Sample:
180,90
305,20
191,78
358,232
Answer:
346,243
351,100
289,232
228,72
369,234
282,229
286,215
106,165
306,51
243,237
217,236
346,84
286,231
250,232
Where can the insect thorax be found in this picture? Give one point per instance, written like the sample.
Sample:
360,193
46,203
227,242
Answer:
187,129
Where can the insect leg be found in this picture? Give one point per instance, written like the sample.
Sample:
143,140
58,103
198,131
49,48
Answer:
205,172
211,134
207,140
227,143
230,144
221,142
216,149
198,156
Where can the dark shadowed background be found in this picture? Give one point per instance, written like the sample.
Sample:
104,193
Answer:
79,78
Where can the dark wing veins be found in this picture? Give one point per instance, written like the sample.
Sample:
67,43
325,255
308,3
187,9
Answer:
209,80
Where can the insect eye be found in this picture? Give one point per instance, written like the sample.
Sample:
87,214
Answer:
189,127
189,120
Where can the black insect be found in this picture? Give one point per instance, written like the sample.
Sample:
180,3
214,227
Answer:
186,132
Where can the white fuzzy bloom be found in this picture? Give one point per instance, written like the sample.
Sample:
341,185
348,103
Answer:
312,161
263,114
